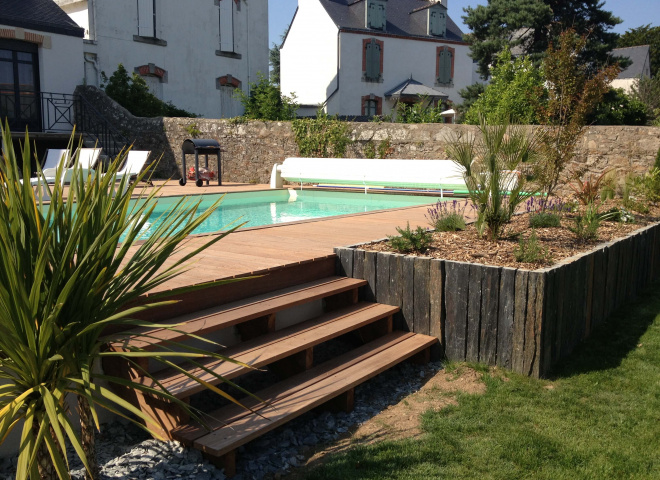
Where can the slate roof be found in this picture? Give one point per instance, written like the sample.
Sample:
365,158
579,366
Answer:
639,57
40,15
413,88
349,14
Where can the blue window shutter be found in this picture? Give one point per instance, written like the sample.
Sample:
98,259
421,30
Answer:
437,22
380,18
373,61
376,14
433,22
444,66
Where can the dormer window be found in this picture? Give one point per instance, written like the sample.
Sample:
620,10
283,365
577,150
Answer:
437,21
376,18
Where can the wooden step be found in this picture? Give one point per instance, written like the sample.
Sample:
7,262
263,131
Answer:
270,348
206,321
301,393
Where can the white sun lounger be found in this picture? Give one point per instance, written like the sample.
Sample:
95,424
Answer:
135,161
53,158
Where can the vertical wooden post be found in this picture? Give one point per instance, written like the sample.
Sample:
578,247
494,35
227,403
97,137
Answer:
407,296
519,314
474,313
505,313
457,276
490,286
436,318
421,300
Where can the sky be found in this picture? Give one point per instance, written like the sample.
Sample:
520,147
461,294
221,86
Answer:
634,13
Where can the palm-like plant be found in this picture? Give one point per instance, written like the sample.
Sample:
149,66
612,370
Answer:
492,163
65,277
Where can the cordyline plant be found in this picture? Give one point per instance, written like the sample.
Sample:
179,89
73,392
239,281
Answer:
492,164
65,277
572,95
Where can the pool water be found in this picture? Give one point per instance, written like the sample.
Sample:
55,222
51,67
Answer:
282,206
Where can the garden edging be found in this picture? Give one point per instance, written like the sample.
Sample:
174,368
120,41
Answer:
523,320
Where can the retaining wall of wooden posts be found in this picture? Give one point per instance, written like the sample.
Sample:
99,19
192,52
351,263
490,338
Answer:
518,319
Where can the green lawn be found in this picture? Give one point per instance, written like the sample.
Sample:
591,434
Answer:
598,418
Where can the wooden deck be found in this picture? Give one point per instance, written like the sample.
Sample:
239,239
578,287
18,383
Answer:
261,248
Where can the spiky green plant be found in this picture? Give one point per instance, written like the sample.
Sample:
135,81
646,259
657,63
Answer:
65,277
492,163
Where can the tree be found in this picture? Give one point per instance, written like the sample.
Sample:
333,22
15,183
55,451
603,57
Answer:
274,58
67,279
647,91
513,93
266,102
274,61
132,93
531,25
617,108
572,95
644,35
470,94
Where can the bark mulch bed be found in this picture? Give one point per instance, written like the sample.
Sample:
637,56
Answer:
561,243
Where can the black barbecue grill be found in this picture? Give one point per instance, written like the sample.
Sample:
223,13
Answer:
200,146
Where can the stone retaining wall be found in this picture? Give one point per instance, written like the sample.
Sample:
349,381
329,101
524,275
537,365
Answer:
251,148
523,320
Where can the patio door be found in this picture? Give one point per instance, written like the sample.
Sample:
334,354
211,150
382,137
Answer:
19,85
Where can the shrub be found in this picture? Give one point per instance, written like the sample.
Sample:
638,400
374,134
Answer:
531,251
411,240
266,102
589,190
513,93
66,281
544,220
132,93
619,214
617,108
490,162
447,216
323,136
587,224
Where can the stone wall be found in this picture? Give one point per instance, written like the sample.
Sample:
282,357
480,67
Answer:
251,148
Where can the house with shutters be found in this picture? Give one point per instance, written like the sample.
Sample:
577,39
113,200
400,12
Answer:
193,53
40,66
361,57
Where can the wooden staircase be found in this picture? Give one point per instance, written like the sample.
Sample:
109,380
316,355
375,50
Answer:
287,351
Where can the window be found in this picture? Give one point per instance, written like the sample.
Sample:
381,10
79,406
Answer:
444,67
146,18
226,25
154,77
376,17
372,60
19,85
372,105
230,106
437,21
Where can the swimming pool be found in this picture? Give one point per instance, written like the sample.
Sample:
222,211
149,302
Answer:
282,206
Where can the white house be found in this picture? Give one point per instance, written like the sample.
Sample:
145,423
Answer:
192,53
40,51
640,57
361,57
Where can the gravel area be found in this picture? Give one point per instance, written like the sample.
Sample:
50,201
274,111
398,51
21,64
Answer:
127,452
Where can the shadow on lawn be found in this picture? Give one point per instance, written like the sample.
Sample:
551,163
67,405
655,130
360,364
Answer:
615,339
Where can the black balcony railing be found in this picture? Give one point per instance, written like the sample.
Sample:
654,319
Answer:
60,112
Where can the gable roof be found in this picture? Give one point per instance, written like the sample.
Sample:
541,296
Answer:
640,57
349,15
413,88
40,15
